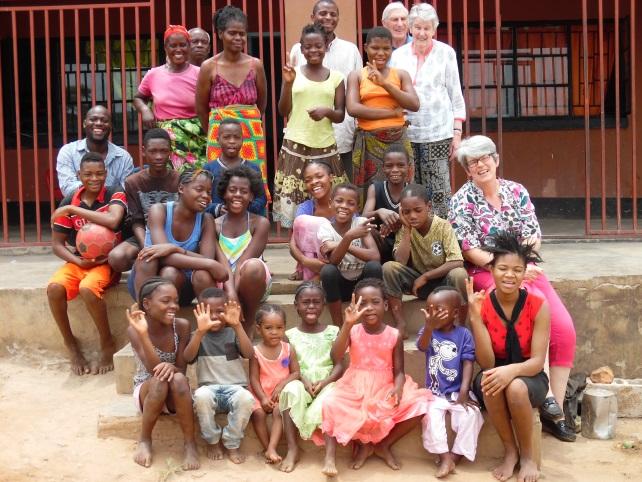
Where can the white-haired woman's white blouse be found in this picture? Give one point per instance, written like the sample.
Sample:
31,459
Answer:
439,90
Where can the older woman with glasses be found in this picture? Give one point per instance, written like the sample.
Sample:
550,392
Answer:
484,206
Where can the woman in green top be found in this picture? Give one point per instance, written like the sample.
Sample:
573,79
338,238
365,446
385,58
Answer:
312,98
300,401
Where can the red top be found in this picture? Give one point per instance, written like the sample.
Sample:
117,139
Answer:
224,93
524,325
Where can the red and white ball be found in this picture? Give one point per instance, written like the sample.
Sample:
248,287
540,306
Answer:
94,241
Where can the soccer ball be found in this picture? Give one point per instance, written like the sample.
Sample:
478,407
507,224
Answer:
94,241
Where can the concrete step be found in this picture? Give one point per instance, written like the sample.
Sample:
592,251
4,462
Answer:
124,367
121,419
605,302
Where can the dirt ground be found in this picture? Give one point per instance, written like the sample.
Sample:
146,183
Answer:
48,421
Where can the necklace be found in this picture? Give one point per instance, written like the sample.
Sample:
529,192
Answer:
387,194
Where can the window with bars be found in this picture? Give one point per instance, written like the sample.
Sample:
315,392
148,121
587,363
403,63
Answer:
541,71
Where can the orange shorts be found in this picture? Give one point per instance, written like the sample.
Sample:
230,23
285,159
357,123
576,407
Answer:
73,277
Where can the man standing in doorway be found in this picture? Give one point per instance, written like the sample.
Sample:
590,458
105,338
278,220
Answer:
118,162
342,56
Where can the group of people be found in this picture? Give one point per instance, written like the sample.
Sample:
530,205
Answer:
193,225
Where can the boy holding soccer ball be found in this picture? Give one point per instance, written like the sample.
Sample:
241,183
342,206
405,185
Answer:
93,203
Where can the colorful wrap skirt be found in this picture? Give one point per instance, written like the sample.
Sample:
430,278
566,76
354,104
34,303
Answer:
289,188
253,148
369,150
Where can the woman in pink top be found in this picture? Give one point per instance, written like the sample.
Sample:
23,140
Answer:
171,88
232,84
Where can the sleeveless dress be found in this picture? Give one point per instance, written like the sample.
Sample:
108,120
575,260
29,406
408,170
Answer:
373,137
141,375
357,408
233,249
313,354
272,372
227,101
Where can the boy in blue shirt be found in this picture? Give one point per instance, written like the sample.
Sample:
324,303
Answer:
450,353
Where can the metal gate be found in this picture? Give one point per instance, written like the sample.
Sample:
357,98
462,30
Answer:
58,60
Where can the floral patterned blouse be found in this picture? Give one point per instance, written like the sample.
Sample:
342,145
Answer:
474,219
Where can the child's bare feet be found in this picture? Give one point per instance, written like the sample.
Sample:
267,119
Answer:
527,471
446,466
505,470
329,468
363,452
290,460
271,456
143,455
190,460
236,456
79,365
215,451
384,453
106,362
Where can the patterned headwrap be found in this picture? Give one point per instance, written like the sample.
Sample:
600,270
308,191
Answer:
172,29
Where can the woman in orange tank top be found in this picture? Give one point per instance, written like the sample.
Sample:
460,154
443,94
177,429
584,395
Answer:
377,96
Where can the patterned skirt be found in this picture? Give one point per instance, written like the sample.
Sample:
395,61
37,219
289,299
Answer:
289,188
188,141
369,149
253,148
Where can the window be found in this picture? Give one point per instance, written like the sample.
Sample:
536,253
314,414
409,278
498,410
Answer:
542,73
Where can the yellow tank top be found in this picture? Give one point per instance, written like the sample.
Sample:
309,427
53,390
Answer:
373,95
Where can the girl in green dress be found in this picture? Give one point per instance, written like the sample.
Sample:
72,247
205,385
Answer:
300,401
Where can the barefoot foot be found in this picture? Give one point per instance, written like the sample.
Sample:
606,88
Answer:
290,460
363,452
329,468
446,466
79,365
215,451
505,470
106,362
528,471
296,276
235,456
143,455
272,457
384,453
190,460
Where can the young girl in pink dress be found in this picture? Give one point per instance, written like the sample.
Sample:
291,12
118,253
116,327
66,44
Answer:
274,365
375,403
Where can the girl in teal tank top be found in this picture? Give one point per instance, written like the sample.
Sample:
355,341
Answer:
182,235
242,237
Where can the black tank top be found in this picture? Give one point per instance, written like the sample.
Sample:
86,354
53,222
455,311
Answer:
384,200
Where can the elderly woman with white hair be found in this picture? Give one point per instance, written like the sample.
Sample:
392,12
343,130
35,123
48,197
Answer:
435,129
395,18
484,206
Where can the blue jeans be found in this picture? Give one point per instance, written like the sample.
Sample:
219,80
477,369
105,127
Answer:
234,400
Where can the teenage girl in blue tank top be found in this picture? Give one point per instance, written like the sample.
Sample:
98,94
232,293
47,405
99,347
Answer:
242,237
180,241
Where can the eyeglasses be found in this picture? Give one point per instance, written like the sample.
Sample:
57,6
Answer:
483,159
